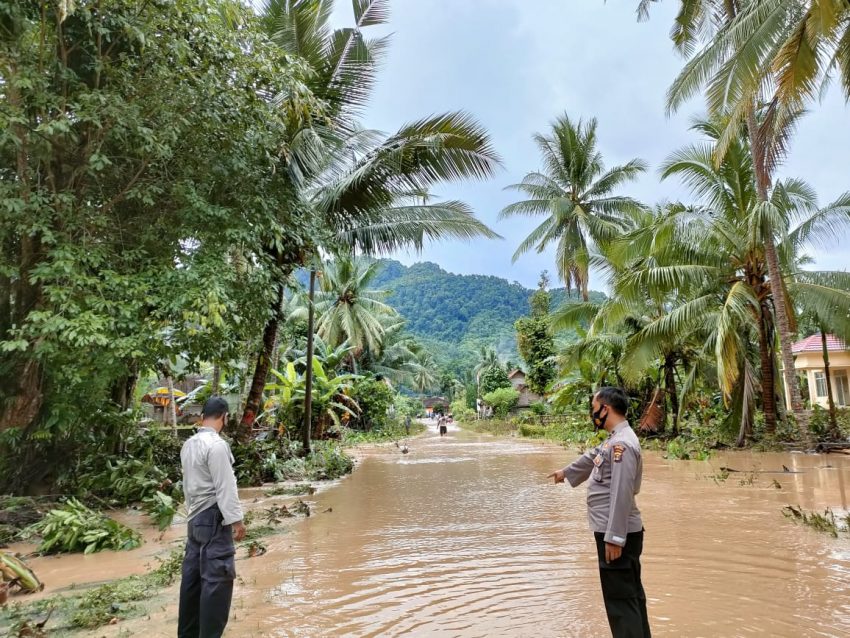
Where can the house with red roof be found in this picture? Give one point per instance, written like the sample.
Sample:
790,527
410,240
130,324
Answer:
809,361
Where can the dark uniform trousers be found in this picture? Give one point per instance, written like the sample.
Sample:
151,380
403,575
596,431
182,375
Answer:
208,572
625,600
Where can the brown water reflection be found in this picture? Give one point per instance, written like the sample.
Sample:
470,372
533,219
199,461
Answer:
463,537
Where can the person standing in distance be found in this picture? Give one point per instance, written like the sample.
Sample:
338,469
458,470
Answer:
214,522
615,470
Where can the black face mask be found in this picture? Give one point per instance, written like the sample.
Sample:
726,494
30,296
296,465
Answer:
598,419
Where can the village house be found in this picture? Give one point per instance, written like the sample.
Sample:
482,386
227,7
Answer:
526,396
808,360
435,404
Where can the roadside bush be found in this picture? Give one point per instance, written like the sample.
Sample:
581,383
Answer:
328,461
460,411
392,431
266,461
539,408
274,460
74,527
685,449
502,400
573,430
374,398
407,406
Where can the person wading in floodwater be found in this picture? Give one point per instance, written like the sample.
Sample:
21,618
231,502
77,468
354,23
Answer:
214,521
615,469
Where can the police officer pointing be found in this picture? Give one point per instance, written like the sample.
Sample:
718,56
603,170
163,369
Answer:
614,469
214,521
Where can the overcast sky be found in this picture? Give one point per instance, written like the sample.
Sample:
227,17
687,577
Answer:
517,64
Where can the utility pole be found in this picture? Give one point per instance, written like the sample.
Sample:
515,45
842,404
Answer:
308,373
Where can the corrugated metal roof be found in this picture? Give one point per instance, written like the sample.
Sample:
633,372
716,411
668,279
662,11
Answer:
813,344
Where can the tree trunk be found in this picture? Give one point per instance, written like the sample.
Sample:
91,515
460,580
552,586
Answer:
124,388
768,379
26,400
777,290
670,386
216,379
261,371
833,422
308,373
172,404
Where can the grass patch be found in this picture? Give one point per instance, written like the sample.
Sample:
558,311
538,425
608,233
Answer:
260,531
386,434
490,426
95,607
301,489
827,522
568,430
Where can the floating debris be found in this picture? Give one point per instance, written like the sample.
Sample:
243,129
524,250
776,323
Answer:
302,508
15,572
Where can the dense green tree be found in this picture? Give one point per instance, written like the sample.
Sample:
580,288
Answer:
120,132
502,400
536,344
735,56
493,378
577,196
374,398
370,192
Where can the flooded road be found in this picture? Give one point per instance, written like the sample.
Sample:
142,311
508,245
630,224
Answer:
464,537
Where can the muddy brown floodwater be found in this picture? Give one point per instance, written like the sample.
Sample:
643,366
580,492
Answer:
465,537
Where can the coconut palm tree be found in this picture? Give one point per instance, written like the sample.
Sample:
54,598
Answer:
348,309
425,376
789,48
487,358
577,197
398,359
370,192
731,67
718,262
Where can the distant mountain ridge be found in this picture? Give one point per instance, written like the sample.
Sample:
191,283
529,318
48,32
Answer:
457,314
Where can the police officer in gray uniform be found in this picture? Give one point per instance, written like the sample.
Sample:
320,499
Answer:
214,521
614,469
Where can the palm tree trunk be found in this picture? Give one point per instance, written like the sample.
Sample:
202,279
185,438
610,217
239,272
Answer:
261,371
670,387
768,379
833,422
777,290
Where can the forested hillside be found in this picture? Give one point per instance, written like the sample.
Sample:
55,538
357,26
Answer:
456,314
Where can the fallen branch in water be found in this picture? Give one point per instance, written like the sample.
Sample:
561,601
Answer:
825,522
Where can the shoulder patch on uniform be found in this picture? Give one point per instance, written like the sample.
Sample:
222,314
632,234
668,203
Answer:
618,452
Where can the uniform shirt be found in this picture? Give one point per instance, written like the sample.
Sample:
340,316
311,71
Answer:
208,477
614,469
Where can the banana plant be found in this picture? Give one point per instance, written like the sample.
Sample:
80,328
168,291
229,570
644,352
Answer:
331,397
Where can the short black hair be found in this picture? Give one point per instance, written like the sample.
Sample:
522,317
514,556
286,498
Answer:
215,407
614,398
